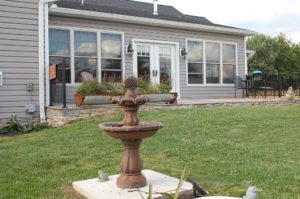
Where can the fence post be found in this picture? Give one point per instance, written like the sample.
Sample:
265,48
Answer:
64,84
280,85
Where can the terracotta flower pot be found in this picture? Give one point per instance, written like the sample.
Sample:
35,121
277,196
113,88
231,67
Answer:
79,100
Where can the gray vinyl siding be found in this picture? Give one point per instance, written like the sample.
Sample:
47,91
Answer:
162,34
18,56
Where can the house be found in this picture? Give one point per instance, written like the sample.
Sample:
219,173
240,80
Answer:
111,39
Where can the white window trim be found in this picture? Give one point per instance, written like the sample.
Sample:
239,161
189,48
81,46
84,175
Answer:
204,62
72,56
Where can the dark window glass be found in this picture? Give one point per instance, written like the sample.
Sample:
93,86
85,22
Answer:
228,73
144,68
111,76
195,79
60,61
85,66
59,42
229,63
212,73
113,64
195,68
195,62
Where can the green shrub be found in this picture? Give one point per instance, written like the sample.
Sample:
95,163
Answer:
13,125
114,88
88,88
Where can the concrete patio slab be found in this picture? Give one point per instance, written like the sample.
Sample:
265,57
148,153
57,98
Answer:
93,189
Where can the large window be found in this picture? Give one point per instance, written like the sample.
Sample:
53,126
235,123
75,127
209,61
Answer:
195,62
215,67
229,63
111,57
88,55
212,51
85,54
59,51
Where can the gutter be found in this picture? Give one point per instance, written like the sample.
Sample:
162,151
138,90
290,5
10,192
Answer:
147,21
43,22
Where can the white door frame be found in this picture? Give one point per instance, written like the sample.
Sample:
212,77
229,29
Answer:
176,59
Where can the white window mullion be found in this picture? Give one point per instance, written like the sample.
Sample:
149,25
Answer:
72,61
204,62
99,55
221,63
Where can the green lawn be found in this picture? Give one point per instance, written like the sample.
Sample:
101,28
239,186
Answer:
225,149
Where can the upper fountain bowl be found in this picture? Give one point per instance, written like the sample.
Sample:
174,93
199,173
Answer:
119,131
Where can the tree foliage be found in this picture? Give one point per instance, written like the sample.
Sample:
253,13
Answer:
274,54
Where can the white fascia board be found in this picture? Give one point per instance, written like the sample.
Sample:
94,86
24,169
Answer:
147,21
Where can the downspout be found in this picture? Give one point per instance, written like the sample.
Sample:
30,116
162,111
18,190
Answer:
246,58
43,9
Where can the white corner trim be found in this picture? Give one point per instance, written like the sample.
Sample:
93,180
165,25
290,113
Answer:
43,10
245,54
147,21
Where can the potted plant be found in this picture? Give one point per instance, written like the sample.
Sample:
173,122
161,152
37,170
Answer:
95,93
156,93
86,88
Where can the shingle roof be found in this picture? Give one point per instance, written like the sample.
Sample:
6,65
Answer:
134,8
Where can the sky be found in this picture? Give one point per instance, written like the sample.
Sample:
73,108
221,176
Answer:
263,16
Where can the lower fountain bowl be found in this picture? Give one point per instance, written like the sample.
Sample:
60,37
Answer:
119,131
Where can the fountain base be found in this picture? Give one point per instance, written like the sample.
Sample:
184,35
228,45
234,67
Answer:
131,181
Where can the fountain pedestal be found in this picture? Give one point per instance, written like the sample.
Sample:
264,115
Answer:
131,166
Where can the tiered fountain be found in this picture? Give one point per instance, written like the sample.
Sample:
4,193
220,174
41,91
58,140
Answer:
131,132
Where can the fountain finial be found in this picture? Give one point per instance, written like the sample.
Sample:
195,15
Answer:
131,82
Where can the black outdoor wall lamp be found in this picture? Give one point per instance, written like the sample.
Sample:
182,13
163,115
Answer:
183,53
129,49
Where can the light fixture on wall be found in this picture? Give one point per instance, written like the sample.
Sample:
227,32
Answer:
129,49
183,52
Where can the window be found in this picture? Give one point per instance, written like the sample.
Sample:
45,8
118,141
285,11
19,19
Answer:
229,63
85,57
85,54
195,62
215,67
59,52
143,60
111,57
212,51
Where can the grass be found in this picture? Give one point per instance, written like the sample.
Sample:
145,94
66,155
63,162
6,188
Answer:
224,149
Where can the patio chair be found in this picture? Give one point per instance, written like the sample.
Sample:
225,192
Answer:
239,83
85,76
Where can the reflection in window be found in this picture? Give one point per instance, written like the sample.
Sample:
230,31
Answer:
212,51
143,62
59,62
85,44
195,62
229,63
165,65
59,52
85,61
83,64
111,57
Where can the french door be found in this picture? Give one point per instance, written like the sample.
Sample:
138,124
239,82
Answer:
155,63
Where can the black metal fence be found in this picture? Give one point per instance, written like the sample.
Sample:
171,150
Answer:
271,84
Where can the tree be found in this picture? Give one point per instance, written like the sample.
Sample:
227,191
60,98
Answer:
274,54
